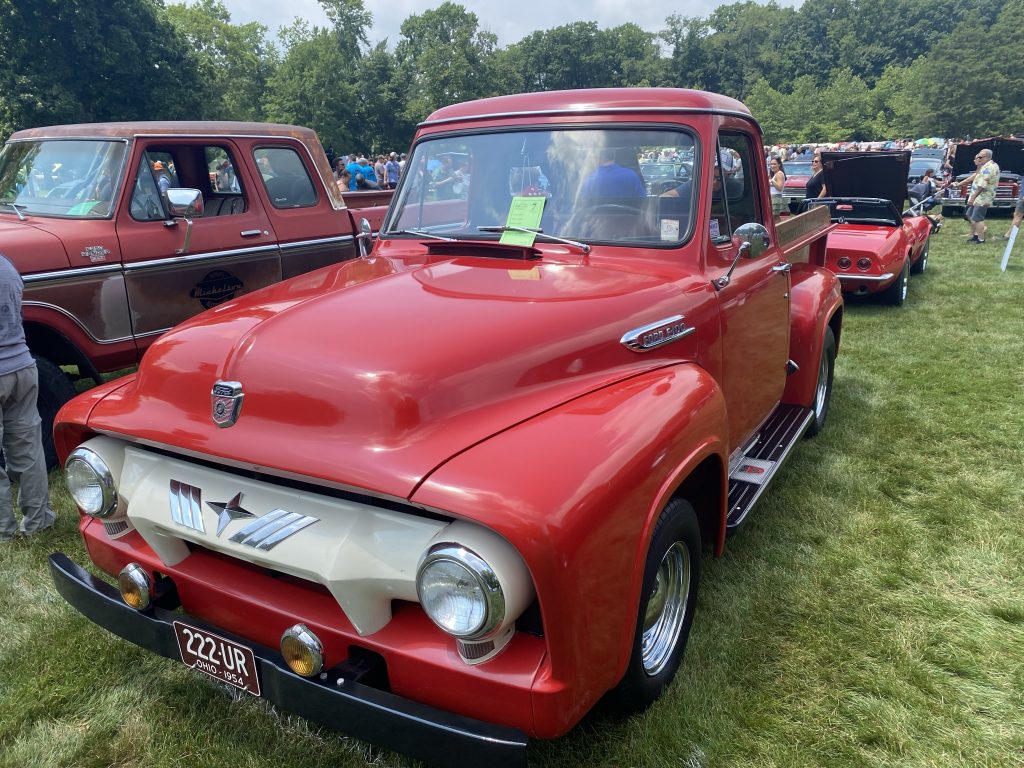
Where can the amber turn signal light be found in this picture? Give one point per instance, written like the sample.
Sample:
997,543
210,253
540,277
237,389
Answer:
302,650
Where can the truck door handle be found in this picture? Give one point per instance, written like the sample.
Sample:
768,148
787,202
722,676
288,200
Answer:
784,267
249,232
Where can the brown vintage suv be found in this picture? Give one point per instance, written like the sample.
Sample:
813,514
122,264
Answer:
123,230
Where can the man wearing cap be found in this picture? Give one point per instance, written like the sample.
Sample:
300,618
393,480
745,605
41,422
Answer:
19,419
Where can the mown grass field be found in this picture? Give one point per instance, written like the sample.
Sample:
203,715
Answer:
871,612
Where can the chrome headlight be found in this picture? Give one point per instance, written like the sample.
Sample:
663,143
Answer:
460,592
90,483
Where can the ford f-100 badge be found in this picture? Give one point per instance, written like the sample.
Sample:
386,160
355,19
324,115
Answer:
226,400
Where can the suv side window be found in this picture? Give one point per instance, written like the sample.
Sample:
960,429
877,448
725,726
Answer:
153,178
225,196
208,168
285,178
734,200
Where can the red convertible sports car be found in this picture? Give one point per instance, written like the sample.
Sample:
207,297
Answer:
875,248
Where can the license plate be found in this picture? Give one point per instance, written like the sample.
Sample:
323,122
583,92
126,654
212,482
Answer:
218,657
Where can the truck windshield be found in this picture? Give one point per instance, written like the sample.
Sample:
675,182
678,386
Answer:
73,178
622,187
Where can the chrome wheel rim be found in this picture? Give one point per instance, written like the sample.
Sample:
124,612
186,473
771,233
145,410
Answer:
666,609
905,280
822,390
924,257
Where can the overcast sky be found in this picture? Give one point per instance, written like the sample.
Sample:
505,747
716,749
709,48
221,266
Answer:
510,20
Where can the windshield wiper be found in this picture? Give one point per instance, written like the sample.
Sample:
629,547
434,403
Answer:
539,233
16,207
421,233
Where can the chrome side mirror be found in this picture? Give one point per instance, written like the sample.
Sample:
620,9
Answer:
183,203
755,234
751,241
365,238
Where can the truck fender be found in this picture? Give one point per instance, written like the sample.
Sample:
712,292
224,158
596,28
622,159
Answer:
577,490
816,301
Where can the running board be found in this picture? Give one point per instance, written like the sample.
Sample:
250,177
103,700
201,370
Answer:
753,469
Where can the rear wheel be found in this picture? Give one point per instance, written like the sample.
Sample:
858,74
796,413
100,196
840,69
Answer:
55,389
667,601
896,293
823,389
922,263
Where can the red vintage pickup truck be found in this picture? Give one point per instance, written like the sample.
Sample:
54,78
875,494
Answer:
87,216
447,496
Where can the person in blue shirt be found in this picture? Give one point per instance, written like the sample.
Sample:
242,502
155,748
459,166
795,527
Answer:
393,170
610,179
353,168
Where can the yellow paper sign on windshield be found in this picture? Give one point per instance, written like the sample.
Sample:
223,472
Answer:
524,213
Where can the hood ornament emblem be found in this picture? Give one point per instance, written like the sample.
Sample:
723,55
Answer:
226,402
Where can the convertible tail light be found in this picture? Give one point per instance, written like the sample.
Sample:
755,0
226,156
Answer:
844,262
864,264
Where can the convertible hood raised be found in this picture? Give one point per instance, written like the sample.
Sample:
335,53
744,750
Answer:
375,372
867,174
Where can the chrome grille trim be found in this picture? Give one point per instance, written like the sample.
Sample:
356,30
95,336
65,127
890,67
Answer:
186,506
266,532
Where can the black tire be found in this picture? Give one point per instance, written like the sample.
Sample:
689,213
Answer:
896,293
55,389
672,566
823,389
922,263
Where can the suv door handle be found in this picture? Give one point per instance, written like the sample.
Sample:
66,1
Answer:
784,267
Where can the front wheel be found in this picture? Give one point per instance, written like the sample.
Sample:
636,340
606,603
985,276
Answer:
55,389
667,601
823,389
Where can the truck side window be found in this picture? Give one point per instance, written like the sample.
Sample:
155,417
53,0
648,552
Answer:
147,203
733,197
225,196
285,178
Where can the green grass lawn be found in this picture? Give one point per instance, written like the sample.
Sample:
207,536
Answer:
870,613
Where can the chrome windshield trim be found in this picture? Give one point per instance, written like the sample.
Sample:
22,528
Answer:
656,334
867,278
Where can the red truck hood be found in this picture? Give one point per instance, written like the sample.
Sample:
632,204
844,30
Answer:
373,373
31,248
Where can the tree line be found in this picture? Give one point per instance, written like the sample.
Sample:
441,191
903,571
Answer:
829,70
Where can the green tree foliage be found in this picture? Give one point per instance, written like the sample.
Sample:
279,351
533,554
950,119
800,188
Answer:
314,85
971,82
580,55
827,70
65,61
444,58
234,61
